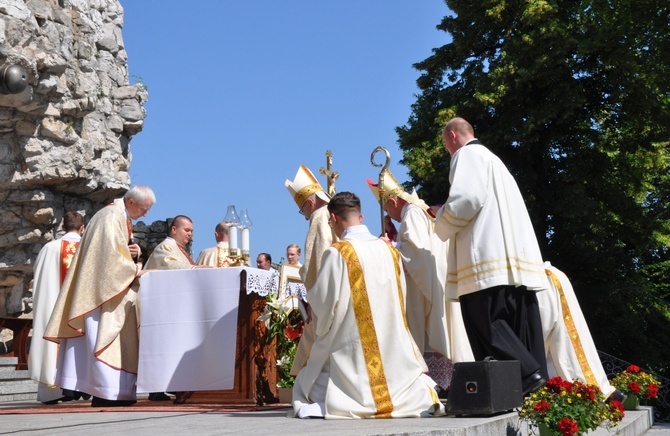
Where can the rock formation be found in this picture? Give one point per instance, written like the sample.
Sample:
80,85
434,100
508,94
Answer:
64,140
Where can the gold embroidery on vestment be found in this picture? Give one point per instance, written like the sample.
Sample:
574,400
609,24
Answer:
366,331
67,250
572,331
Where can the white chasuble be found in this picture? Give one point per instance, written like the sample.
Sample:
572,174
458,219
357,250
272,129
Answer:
169,255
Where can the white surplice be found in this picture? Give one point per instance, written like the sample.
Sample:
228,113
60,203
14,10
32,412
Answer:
491,237
364,362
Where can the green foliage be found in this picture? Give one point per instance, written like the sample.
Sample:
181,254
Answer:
284,329
575,98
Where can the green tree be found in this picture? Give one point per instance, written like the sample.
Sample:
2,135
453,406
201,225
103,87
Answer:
574,96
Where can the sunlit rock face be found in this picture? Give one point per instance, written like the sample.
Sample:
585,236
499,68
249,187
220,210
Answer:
64,139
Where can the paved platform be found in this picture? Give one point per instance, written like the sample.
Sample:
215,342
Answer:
277,422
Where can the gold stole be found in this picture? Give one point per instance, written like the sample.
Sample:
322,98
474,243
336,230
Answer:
572,332
366,327
67,250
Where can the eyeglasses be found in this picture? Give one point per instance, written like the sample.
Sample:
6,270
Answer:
302,207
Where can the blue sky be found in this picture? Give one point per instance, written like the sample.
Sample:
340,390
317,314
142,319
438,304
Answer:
243,92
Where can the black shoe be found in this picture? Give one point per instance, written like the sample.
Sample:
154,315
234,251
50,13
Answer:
75,395
52,402
533,383
159,396
102,402
617,395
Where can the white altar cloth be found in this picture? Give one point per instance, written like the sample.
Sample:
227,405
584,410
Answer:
188,329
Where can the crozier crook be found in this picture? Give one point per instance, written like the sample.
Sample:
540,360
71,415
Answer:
383,167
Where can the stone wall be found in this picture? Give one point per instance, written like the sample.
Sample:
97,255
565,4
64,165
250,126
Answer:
64,140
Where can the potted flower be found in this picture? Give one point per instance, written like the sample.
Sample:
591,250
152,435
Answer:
636,384
284,328
567,408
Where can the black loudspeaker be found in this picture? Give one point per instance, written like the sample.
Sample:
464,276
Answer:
485,388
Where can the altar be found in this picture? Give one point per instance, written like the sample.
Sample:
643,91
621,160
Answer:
199,332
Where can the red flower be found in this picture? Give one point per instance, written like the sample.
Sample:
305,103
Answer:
293,333
617,405
633,368
542,406
652,391
634,387
568,426
555,384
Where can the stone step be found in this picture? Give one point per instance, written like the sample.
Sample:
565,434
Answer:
8,361
7,398
13,374
21,387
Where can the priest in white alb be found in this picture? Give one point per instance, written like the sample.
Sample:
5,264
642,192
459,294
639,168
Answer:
50,268
364,362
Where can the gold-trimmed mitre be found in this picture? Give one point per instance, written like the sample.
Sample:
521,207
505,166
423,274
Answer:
303,185
394,189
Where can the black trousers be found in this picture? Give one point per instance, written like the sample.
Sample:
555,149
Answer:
504,322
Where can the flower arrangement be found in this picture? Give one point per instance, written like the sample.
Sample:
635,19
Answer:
286,325
570,408
634,381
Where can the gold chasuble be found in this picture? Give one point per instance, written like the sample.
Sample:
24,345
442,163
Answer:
101,275
364,362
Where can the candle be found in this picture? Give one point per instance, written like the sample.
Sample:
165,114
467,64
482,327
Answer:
244,240
232,238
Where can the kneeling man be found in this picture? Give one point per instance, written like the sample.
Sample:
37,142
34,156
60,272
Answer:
364,362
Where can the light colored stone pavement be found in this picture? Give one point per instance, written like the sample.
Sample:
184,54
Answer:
276,422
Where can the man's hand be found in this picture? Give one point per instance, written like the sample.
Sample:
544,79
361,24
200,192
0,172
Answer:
135,250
